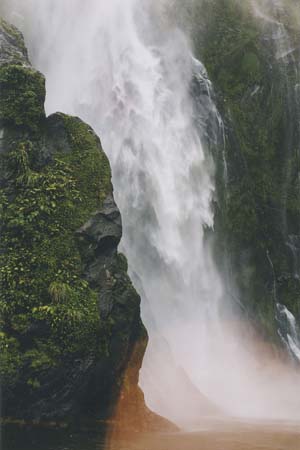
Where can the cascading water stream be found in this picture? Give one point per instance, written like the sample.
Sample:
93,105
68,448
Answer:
118,68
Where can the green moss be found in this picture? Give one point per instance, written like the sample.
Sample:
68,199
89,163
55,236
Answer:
22,96
261,206
230,49
10,359
250,66
13,34
46,306
90,166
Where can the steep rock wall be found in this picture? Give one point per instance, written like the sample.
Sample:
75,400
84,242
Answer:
71,339
258,197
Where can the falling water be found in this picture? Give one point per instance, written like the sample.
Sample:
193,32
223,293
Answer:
121,67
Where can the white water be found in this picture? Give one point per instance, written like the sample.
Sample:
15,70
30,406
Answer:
114,65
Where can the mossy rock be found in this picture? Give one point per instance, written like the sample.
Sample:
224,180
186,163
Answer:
12,45
22,97
69,315
22,89
251,66
258,207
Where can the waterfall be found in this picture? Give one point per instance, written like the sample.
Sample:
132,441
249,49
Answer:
124,69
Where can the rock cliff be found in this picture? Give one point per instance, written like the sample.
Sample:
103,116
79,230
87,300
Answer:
71,340
253,62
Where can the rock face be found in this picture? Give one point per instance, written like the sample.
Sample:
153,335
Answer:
253,64
71,340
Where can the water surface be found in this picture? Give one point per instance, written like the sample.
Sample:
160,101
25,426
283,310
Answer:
221,436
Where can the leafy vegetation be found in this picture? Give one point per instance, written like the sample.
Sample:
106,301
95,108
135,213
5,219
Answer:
22,96
47,309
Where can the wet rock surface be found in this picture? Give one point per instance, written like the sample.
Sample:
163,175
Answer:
72,340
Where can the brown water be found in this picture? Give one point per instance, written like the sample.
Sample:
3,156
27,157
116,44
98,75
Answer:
241,437
217,436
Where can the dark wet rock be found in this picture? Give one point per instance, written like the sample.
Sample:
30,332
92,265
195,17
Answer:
257,207
72,340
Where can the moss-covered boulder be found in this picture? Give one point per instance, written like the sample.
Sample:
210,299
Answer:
70,327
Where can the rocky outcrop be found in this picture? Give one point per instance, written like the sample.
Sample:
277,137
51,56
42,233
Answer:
253,64
71,340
